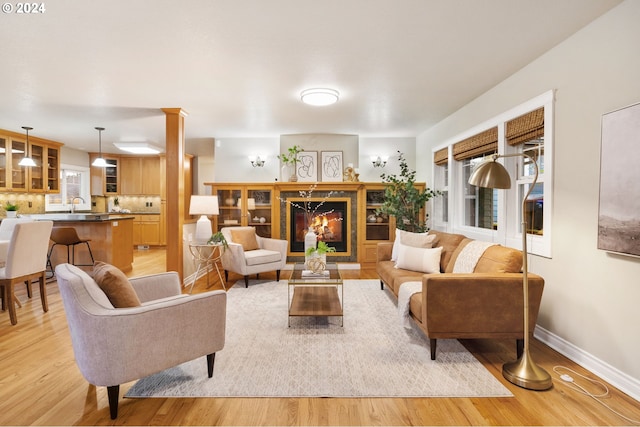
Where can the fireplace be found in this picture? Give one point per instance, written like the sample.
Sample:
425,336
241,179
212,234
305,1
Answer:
330,223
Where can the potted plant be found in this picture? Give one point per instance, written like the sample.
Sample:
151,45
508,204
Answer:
290,159
11,209
218,239
403,199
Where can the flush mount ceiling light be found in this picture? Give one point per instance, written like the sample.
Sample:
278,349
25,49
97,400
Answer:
319,96
137,147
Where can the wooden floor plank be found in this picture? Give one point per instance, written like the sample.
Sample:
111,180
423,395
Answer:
40,384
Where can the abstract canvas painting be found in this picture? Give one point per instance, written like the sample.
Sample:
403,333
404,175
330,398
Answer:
619,209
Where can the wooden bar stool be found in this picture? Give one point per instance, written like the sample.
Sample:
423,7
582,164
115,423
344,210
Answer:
68,236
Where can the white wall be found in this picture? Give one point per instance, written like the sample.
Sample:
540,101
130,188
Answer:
232,159
590,297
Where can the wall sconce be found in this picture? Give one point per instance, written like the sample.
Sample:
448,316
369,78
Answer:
256,161
379,161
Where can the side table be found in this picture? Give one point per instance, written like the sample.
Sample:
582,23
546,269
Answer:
205,255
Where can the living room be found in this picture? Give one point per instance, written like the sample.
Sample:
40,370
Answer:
587,314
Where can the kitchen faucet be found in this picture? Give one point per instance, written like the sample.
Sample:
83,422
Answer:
73,209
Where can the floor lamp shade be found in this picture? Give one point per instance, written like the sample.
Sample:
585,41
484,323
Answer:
203,206
523,372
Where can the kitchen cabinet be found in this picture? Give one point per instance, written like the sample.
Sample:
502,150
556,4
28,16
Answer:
146,230
105,181
42,178
140,176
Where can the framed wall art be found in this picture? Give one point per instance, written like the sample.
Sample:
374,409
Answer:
619,208
307,167
331,166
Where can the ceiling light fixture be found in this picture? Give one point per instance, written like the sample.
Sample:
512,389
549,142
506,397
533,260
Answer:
100,162
26,160
319,96
137,147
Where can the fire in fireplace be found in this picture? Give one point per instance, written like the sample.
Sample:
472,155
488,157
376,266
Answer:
330,225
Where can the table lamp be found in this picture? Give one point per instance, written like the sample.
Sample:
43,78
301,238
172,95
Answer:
203,206
523,372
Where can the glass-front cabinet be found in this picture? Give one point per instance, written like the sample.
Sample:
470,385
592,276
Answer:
42,178
244,205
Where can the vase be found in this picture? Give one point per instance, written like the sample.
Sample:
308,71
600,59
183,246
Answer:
310,241
12,214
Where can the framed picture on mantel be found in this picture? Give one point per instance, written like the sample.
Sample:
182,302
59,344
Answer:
331,166
307,166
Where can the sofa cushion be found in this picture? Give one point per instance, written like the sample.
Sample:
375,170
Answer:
500,259
261,256
115,285
449,243
419,259
416,240
246,237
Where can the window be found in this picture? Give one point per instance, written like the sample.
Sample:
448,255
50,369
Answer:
74,182
491,214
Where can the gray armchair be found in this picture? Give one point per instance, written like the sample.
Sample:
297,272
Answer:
268,255
117,345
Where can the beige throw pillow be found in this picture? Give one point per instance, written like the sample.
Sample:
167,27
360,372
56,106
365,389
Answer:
416,240
115,285
246,237
425,260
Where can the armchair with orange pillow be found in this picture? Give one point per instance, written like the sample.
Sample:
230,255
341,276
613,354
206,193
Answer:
250,254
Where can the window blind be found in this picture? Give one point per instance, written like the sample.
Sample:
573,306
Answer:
526,127
482,143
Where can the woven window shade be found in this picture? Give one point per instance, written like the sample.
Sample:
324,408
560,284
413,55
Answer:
526,127
482,143
441,157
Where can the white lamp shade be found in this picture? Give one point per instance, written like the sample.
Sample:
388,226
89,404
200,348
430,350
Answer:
204,205
99,162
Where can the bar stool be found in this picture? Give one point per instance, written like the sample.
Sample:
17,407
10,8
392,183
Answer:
68,236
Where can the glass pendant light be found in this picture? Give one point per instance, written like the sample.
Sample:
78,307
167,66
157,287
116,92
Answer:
26,160
100,162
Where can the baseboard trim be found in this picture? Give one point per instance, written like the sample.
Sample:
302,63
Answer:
612,375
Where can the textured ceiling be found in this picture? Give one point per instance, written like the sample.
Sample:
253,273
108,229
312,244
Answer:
238,66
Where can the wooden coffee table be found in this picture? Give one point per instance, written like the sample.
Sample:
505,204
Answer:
316,295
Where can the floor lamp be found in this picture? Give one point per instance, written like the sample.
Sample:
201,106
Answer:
523,372
203,206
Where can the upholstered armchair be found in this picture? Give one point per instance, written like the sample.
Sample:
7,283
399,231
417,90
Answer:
250,254
162,327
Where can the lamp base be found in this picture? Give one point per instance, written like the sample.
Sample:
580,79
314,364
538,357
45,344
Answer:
203,230
526,374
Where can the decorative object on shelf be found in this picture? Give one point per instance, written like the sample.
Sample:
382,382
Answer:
99,162
229,201
256,161
404,200
203,206
218,239
350,174
379,161
523,372
372,218
263,220
331,166
11,209
255,219
26,160
290,159
320,96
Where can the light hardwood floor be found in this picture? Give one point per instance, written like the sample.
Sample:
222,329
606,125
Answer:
41,385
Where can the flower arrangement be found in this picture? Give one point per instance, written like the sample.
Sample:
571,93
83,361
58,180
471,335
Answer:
291,158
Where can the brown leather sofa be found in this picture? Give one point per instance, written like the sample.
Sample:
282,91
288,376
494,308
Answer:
487,303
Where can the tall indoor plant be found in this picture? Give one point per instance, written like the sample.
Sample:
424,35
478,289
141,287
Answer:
403,200
290,160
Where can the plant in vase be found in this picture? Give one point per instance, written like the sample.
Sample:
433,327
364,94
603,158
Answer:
403,200
316,257
218,239
290,159
11,209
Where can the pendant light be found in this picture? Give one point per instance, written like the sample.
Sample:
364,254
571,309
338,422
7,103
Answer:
26,160
99,162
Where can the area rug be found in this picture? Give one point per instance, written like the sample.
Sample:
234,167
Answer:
372,355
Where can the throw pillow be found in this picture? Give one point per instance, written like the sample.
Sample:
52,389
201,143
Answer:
115,285
425,260
246,237
416,240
